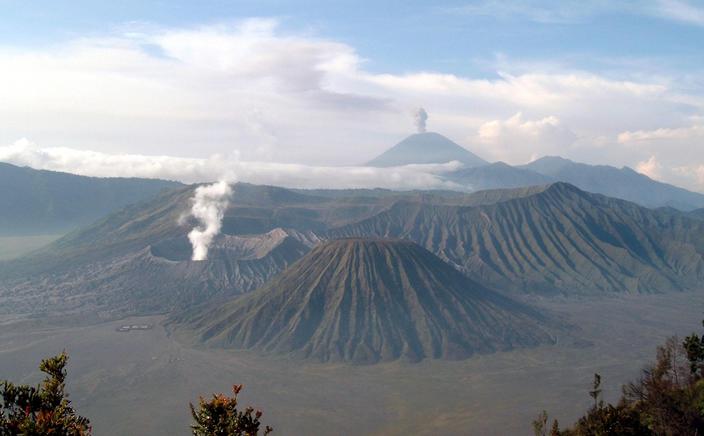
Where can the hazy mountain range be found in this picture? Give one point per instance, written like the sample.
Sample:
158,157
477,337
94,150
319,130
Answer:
478,174
34,202
552,239
426,274
622,183
47,202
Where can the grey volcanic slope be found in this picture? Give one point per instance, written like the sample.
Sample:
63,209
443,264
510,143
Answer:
253,210
557,240
551,240
48,202
498,175
137,260
365,301
425,148
161,277
697,213
621,183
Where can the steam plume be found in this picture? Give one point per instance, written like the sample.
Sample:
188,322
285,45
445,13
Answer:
209,204
421,116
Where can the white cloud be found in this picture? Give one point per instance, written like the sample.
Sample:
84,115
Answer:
681,11
517,140
251,90
183,91
220,167
674,154
650,168
662,134
693,173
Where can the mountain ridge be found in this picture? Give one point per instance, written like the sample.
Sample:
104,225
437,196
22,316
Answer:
366,300
497,175
59,202
624,183
548,240
556,239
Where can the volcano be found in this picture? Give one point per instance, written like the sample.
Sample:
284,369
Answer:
368,300
426,148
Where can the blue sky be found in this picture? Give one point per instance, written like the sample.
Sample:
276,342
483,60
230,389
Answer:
335,82
463,37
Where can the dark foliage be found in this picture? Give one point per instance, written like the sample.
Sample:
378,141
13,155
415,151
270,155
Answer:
41,410
219,416
667,399
694,347
45,409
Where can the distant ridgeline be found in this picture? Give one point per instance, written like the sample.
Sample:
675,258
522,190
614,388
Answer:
38,202
478,174
550,240
373,275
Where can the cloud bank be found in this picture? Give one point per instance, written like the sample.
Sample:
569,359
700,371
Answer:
217,167
518,139
177,102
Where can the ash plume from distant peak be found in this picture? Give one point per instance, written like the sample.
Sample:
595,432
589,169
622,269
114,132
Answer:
209,204
421,117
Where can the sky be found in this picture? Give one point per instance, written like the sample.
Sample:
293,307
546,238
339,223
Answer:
302,91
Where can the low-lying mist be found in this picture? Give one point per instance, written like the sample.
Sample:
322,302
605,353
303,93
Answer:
198,170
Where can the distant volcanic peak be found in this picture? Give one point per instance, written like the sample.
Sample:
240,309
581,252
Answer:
365,300
426,148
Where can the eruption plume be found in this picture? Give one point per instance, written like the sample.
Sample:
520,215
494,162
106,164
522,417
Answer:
209,204
421,116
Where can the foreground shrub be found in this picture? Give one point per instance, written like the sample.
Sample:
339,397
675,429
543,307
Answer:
45,409
667,399
219,416
41,410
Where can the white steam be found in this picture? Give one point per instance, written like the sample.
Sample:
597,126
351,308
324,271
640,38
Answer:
209,204
420,117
